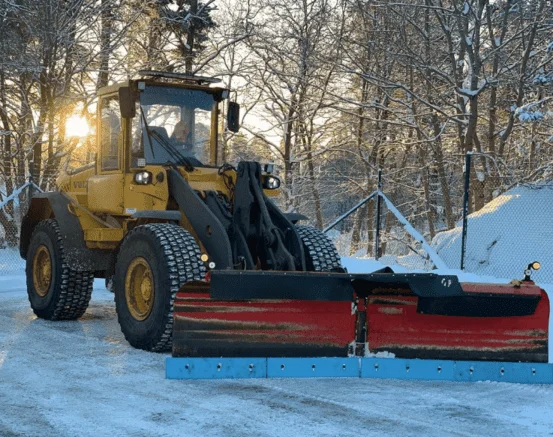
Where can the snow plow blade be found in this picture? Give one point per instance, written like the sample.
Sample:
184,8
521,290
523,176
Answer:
299,314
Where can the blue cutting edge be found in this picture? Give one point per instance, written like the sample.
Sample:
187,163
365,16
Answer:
381,368
215,368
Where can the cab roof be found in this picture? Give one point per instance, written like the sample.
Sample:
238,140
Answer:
164,78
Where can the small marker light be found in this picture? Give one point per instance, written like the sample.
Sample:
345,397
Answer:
536,265
211,265
204,257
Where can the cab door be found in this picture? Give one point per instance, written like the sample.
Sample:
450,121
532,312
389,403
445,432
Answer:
153,195
105,190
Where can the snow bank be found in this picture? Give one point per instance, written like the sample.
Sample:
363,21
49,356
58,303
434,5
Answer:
361,265
505,236
369,265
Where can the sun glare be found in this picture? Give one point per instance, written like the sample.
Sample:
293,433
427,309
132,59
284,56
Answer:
76,127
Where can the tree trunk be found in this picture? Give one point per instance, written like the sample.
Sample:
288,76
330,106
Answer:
190,39
105,43
356,231
316,196
430,216
10,228
288,168
440,166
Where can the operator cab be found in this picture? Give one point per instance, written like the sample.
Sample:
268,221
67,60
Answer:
157,120
174,125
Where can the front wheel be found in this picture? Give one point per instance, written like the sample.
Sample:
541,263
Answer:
321,254
155,260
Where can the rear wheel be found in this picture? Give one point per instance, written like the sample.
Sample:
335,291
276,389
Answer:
55,291
155,260
321,255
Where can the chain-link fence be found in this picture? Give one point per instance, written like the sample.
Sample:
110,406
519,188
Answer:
507,224
376,228
12,209
428,199
15,192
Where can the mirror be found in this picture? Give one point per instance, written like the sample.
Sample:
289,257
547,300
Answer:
126,102
233,117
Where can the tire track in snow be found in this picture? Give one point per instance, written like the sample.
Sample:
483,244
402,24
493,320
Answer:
386,412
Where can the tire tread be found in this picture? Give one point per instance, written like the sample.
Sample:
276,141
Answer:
321,250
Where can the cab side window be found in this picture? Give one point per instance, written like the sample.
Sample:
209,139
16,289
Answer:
111,133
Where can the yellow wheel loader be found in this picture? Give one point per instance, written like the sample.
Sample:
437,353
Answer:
200,258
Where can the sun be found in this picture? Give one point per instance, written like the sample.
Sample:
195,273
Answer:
76,126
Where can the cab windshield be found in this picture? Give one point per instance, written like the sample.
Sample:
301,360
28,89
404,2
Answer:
173,125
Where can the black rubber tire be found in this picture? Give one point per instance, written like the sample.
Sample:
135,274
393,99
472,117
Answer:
174,259
70,290
320,253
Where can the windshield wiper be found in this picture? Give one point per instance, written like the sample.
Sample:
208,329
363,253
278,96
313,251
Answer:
172,151
147,132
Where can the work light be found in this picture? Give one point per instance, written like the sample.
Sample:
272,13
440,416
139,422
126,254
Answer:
271,183
143,177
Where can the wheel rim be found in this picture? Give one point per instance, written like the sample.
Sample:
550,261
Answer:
139,289
42,270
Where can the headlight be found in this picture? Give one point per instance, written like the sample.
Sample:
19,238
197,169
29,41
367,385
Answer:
143,177
536,265
271,183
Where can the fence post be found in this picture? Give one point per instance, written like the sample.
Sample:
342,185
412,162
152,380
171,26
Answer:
468,157
378,210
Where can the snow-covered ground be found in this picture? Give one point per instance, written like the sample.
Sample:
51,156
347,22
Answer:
82,378
506,235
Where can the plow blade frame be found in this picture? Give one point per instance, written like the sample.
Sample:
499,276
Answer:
438,294
377,368
245,285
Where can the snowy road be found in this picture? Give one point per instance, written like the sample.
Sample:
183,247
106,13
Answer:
81,378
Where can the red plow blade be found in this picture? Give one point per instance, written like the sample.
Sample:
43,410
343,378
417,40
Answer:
395,326
511,322
206,327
